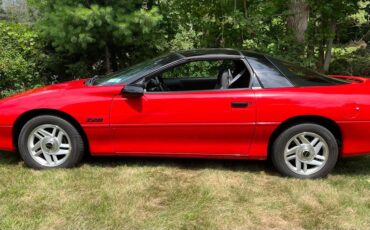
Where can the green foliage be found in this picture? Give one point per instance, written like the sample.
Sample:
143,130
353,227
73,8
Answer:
96,31
204,23
86,36
255,25
199,69
355,63
20,58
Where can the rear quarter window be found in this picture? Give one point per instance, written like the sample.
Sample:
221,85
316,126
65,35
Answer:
301,76
267,73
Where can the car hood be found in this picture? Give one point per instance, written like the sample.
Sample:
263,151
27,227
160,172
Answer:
69,97
47,89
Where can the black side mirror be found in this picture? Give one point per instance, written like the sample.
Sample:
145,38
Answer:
133,90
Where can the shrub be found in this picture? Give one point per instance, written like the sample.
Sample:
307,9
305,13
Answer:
355,63
21,58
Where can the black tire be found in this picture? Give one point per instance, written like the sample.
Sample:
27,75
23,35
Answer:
282,140
77,144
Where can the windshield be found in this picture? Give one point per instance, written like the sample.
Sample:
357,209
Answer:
122,76
300,76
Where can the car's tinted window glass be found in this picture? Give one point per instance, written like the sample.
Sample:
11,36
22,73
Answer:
197,69
269,76
200,75
300,76
121,77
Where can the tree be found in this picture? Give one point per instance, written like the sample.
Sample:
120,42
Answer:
324,20
98,36
97,31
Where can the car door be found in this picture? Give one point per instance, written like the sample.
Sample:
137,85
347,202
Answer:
195,123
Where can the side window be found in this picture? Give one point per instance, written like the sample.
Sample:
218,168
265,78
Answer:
201,75
196,69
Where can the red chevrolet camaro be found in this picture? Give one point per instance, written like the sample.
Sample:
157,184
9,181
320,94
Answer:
212,103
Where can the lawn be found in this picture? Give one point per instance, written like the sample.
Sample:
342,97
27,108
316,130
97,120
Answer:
137,193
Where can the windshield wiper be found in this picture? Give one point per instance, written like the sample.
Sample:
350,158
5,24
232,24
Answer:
92,80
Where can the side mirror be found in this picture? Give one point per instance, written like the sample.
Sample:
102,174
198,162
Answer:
133,90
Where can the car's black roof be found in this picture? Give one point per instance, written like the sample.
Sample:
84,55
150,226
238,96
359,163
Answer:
217,52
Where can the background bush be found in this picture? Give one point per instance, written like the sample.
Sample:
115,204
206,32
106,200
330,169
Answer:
355,63
21,58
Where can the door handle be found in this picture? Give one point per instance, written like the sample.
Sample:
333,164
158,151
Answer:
239,104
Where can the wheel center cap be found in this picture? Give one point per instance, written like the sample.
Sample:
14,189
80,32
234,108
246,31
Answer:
50,145
306,153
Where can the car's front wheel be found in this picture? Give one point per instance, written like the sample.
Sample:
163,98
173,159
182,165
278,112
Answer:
50,142
305,151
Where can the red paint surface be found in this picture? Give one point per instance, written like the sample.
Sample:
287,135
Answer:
194,124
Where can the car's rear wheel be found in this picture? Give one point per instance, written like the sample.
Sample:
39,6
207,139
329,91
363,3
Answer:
305,151
50,142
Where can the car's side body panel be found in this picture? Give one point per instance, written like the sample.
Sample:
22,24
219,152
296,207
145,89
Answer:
201,123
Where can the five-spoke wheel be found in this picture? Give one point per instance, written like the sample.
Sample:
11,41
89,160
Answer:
305,151
49,145
50,142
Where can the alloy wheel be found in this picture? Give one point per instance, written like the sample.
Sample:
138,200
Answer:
49,145
306,153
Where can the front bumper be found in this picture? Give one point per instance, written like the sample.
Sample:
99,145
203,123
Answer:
6,139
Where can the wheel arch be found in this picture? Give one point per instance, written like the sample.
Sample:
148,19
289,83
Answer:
22,120
328,123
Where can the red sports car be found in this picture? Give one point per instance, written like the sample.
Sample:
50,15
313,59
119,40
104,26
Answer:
212,103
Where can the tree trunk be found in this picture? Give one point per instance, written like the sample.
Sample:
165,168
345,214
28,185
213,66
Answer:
298,21
327,59
108,68
320,65
329,45
310,51
245,8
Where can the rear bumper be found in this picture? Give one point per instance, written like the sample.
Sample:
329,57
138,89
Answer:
6,139
356,138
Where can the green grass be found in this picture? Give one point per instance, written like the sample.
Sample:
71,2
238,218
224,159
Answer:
137,193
